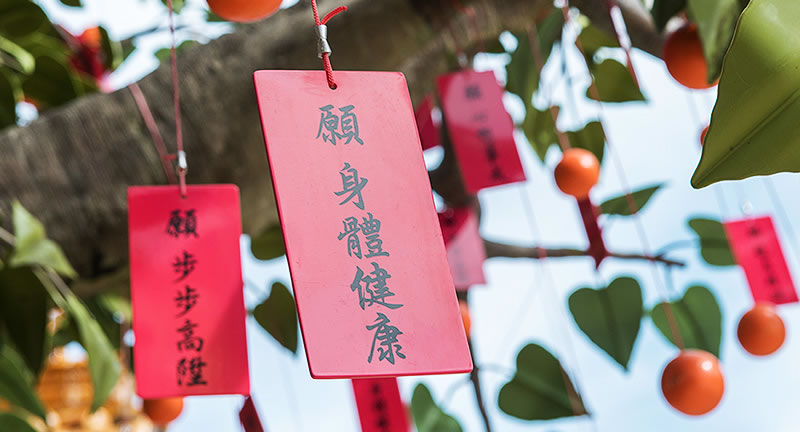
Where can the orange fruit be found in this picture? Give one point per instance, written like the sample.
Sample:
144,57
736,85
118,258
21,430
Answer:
761,331
244,10
577,172
163,411
703,135
683,55
692,382
465,318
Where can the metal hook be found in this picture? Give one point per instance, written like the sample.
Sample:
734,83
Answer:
323,47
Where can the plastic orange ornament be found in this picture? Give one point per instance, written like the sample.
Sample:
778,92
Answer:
692,382
244,10
465,318
761,331
683,55
577,173
163,411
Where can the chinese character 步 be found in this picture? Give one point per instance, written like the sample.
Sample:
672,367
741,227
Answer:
186,300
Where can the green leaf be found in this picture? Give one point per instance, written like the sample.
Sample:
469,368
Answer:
522,71
11,423
540,131
177,5
16,382
269,244
760,73
716,22
71,3
698,318
104,366
663,10
8,100
619,206
20,18
428,417
714,247
52,83
592,39
32,247
110,310
278,316
591,137
610,317
614,83
15,56
538,390
23,312
111,49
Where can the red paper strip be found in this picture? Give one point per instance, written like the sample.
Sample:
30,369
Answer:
373,289
597,247
465,250
429,133
248,417
186,291
480,129
380,407
755,245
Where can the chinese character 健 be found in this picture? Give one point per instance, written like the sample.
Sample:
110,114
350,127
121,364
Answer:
352,184
375,290
387,335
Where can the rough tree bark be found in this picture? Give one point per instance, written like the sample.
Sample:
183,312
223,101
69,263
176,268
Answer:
71,167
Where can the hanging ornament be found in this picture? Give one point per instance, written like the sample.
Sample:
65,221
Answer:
380,407
683,55
429,129
163,411
464,244
577,173
761,330
692,382
465,317
244,10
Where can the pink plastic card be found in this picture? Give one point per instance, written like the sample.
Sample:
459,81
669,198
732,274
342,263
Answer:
465,250
373,289
757,250
480,129
186,291
380,408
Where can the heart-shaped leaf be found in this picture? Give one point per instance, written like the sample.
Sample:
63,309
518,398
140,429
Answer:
759,72
278,316
23,312
620,205
610,317
698,318
32,247
16,382
540,389
11,423
714,247
591,138
614,83
269,244
428,417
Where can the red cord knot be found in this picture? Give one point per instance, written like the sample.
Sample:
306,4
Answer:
323,47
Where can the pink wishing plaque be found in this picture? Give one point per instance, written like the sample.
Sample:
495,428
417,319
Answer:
480,129
380,407
428,129
755,245
465,250
373,289
186,291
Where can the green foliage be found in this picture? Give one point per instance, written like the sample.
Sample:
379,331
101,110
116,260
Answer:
269,244
110,311
760,75
278,316
71,3
698,318
12,423
592,39
610,316
16,382
428,417
540,131
540,388
522,71
620,206
614,83
714,247
23,313
20,18
32,246
8,99
663,10
716,22
592,137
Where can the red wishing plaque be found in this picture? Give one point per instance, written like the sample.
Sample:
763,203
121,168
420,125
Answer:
374,293
757,250
428,129
186,291
380,407
465,250
480,129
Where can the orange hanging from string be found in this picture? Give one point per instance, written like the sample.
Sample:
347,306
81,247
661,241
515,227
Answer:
683,55
244,10
577,173
693,382
761,330
163,411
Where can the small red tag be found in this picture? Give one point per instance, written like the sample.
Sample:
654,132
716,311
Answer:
373,289
597,247
380,407
429,133
248,417
480,129
757,250
186,291
465,250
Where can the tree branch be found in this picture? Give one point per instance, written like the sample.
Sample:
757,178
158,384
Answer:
494,250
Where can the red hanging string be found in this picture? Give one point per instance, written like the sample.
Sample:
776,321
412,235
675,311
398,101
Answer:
326,57
150,122
610,5
176,100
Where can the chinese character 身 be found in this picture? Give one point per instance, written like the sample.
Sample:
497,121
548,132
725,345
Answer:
182,224
190,341
387,336
184,265
352,184
194,369
374,289
186,300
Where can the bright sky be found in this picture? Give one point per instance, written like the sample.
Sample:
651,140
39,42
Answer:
525,301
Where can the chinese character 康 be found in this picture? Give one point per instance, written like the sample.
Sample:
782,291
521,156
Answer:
374,290
184,265
330,124
194,369
186,300
186,224
189,341
352,184
387,336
